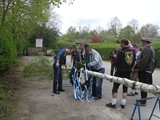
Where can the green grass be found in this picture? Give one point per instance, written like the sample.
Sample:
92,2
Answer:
39,66
4,97
8,97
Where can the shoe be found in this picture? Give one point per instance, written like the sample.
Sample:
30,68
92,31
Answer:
122,106
142,104
98,97
56,92
111,106
131,94
136,93
61,90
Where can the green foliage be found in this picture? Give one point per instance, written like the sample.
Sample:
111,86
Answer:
157,50
21,17
108,38
4,96
127,32
103,49
7,50
39,66
47,33
62,44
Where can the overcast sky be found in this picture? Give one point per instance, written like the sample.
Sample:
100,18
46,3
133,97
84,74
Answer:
95,13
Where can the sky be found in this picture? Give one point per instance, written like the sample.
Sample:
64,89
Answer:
96,13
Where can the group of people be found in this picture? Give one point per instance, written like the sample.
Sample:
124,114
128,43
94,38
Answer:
128,62
131,63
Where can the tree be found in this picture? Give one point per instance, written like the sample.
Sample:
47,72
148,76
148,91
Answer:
20,19
149,30
114,26
127,32
134,24
96,39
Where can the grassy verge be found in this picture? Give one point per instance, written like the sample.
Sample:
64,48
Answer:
9,85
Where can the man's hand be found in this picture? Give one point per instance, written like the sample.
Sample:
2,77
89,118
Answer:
88,65
66,67
57,64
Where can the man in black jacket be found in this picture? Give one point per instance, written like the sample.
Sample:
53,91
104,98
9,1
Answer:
124,62
112,56
146,66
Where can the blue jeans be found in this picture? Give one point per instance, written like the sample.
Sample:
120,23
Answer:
99,82
57,81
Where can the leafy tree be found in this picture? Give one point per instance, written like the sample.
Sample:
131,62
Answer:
114,26
134,24
108,38
127,32
96,39
149,30
20,19
47,33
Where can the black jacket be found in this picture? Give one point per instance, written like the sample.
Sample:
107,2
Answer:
146,61
125,59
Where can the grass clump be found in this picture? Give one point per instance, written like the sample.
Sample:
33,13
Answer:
40,67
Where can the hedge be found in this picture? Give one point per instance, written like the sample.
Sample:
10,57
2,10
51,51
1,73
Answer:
157,50
105,49
7,50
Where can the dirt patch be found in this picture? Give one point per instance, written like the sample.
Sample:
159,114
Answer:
38,103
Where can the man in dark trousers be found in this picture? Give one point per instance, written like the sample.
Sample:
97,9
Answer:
60,59
124,62
112,56
146,66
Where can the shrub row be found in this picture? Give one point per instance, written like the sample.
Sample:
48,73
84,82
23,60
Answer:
105,49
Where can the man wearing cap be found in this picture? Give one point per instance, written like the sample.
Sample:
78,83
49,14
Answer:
146,65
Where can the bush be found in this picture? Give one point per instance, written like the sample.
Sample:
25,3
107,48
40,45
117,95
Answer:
7,50
39,66
103,49
62,44
157,50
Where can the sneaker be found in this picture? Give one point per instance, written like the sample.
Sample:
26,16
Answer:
131,94
61,90
111,106
122,106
